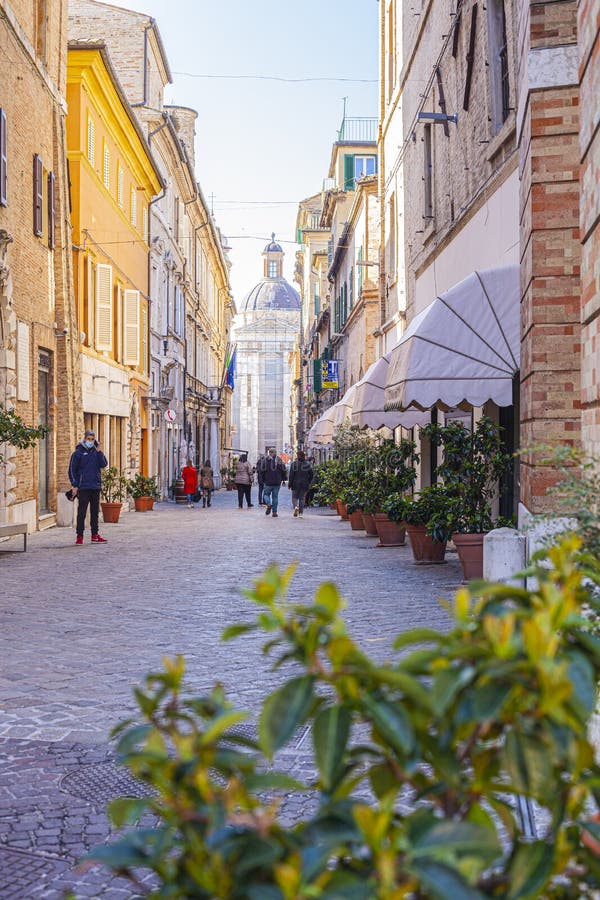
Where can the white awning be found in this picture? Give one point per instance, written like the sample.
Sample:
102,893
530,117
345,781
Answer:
464,347
323,427
369,401
343,408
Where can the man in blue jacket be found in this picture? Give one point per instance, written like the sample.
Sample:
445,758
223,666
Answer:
84,475
274,472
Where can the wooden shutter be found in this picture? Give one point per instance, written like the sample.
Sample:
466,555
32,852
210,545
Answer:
51,212
38,199
104,307
3,160
348,171
131,328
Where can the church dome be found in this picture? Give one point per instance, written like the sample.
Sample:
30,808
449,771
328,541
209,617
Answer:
273,246
272,293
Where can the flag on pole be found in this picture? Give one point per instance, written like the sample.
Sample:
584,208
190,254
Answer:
230,376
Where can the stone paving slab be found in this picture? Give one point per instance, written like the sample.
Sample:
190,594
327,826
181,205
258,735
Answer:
80,625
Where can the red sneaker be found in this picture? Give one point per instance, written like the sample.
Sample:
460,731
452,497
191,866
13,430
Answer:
96,539
79,539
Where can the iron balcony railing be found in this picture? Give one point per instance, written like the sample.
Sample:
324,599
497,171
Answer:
361,130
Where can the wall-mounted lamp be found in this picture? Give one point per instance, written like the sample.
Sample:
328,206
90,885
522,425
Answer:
438,118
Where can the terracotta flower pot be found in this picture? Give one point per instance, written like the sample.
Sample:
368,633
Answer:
426,551
111,512
143,504
390,533
470,553
356,521
369,523
342,510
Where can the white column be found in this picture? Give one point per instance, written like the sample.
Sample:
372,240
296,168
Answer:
215,459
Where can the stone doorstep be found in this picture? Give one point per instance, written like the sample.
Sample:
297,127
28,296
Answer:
46,520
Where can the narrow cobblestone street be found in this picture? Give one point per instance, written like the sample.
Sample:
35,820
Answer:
81,625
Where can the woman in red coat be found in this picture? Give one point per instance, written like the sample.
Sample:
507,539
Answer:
190,482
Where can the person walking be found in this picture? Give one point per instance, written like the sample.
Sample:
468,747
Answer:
243,480
85,467
299,482
260,479
274,475
207,482
190,482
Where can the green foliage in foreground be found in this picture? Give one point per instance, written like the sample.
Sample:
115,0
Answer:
458,726
15,432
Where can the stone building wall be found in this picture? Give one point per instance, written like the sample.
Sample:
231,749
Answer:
470,161
37,279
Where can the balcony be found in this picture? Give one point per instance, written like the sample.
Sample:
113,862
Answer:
360,131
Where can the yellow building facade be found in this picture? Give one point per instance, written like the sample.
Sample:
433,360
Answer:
113,181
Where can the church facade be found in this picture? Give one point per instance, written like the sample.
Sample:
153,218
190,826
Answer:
266,331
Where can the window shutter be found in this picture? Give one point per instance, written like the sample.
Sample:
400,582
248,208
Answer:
3,160
51,212
348,171
91,141
38,200
351,287
133,206
120,185
131,328
104,307
317,381
106,172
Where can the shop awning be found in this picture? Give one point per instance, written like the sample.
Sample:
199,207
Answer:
463,348
323,428
342,410
369,401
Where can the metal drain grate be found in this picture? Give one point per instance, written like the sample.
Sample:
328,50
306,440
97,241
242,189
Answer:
102,782
21,872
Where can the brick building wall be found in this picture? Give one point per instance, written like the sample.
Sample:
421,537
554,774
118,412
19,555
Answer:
32,75
589,138
447,64
548,123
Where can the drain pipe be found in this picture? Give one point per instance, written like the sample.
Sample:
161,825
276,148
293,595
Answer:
147,28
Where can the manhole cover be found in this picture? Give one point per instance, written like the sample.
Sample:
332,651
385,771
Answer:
102,782
22,872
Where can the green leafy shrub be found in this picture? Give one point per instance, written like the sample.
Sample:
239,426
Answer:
15,432
114,485
474,463
462,726
577,492
430,507
143,486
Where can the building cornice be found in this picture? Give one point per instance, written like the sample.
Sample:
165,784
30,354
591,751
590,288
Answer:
89,66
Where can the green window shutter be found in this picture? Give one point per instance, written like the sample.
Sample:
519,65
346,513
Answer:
348,171
317,382
298,235
317,300
351,287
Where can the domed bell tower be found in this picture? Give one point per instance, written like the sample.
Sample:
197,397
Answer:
273,256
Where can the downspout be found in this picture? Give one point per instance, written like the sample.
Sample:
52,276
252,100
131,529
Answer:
381,177
147,28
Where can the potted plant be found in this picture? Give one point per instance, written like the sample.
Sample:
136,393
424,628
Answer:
473,466
144,490
353,500
113,491
393,472
427,522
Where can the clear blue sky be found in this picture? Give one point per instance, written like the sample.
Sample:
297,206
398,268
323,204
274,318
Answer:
262,140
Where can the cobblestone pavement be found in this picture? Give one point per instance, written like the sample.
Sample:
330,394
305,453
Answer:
80,625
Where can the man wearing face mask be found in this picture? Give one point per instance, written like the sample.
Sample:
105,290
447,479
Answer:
84,475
